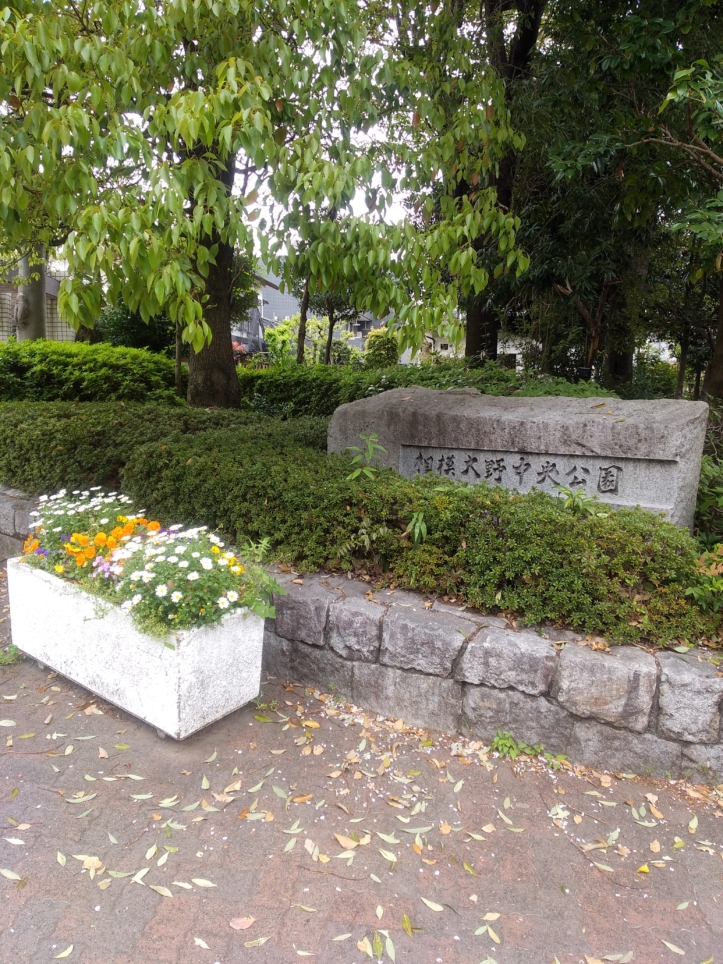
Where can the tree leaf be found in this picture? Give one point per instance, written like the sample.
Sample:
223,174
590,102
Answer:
212,757
61,858
163,891
673,948
10,874
200,882
66,953
407,925
241,923
201,943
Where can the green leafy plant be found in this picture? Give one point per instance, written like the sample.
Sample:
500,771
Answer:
11,655
365,456
707,587
381,349
418,527
506,746
579,502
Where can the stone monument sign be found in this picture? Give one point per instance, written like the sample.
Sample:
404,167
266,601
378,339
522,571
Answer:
644,453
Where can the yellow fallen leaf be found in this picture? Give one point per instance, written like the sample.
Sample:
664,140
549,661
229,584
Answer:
346,842
644,869
431,904
693,825
577,818
489,828
163,891
200,882
593,960
66,953
491,917
302,798
492,934
324,859
656,813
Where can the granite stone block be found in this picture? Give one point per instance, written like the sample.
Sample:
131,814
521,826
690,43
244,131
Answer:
614,687
530,719
502,658
277,652
355,628
705,756
609,748
690,699
321,668
626,452
301,614
425,641
426,701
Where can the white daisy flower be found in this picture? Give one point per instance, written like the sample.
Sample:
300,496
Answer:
183,564
161,590
176,596
223,603
192,576
173,558
196,555
222,562
136,599
207,563
231,595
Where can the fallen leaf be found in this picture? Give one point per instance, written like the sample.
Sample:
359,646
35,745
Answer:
492,934
66,953
346,842
673,948
200,882
257,943
241,923
201,943
491,917
655,847
341,937
10,874
431,904
163,891
212,757
490,828
407,925
644,869
692,827
445,828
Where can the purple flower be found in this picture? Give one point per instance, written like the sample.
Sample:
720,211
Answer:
42,552
64,538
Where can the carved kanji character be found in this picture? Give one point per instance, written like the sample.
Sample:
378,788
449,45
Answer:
494,469
446,464
423,464
522,467
469,466
547,472
578,480
609,479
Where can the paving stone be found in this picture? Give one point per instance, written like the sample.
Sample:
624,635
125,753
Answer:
610,748
530,719
690,699
277,652
321,668
420,700
355,628
616,687
502,658
426,641
301,614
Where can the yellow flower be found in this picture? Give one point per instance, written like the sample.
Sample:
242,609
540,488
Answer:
101,539
59,568
215,550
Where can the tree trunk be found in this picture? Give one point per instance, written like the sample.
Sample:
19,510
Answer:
304,309
713,381
329,338
213,380
30,312
179,350
682,361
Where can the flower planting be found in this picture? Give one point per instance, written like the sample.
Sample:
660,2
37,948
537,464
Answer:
167,578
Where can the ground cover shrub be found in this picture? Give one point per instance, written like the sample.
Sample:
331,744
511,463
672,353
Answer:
47,447
621,573
76,371
295,391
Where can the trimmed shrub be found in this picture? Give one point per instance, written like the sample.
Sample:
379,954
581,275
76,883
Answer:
381,349
52,371
317,390
625,575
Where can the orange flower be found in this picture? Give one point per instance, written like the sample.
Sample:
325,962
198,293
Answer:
101,539
142,521
70,548
154,526
89,552
30,544
117,532
80,559
111,542
128,529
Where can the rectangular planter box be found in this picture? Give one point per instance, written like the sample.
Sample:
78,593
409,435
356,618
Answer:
212,671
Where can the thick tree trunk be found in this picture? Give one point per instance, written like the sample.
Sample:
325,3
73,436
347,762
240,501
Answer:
713,381
213,381
30,312
329,338
304,310
179,351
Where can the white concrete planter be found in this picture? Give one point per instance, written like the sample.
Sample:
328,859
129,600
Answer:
212,671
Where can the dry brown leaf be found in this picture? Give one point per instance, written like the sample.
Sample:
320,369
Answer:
318,750
655,847
430,862
577,818
490,828
241,923
302,798
445,828
656,813
306,751
334,774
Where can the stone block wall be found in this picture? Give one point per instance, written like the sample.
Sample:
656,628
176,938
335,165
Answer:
15,508
436,666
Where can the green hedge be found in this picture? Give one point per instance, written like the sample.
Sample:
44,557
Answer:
52,371
624,575
319,389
